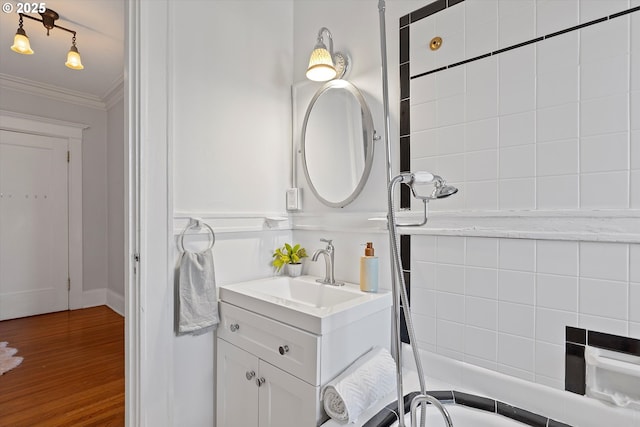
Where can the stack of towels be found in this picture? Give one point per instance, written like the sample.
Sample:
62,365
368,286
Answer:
360,386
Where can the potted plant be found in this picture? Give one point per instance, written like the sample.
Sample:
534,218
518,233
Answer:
291,257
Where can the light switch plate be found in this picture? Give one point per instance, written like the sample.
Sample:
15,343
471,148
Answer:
293,199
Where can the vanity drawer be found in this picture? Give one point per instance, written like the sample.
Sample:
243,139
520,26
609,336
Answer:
268,338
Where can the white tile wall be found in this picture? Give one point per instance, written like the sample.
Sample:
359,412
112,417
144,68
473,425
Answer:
557,157
594,9
570,99
517,129
516,21
517,297
481,89
549,126
553,15
604,153
558,192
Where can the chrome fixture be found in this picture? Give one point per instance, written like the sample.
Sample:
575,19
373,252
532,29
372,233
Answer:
397,277
423,398
21,41
440,190
329,278
324,64
440,187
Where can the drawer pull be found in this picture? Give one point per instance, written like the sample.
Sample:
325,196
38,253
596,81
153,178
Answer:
260,381
234,327
250,375
283,349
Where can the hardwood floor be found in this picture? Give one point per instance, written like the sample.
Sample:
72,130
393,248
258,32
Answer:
72,373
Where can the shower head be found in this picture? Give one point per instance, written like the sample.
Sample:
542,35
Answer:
443,190
440,190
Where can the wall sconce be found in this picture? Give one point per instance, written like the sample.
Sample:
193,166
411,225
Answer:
21,41
324,64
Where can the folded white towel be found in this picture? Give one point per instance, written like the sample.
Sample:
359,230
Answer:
361,385
197,303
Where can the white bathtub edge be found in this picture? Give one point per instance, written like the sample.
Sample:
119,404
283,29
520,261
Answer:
567,407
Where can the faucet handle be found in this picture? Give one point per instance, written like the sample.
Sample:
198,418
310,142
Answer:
327,241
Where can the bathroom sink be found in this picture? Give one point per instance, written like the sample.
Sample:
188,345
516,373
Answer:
304,303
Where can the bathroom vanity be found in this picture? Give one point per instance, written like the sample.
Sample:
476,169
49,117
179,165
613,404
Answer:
281,339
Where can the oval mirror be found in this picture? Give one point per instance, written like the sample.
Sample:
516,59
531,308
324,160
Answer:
337,143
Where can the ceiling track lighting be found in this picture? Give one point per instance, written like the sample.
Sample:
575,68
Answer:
325,65
21,41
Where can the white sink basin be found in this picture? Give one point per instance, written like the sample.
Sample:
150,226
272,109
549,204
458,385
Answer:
304,303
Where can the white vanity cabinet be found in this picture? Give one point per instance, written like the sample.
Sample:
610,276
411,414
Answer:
252,392
270,374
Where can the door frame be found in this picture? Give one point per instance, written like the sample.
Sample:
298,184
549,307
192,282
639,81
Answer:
72,133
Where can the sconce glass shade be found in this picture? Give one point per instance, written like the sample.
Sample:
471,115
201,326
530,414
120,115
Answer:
73,59
21,43
321,67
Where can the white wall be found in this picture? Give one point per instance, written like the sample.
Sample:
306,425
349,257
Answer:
94,171
230,126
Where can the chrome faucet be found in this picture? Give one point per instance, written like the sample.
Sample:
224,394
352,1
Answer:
329,278
423,398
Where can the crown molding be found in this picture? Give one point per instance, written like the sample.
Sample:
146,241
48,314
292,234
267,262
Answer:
50,91
115,94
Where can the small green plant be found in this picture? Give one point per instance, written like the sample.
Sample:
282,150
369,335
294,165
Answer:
288,255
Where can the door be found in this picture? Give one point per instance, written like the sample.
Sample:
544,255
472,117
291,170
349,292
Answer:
286,401
237,391
34,267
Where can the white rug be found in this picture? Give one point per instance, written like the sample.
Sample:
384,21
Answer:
7,359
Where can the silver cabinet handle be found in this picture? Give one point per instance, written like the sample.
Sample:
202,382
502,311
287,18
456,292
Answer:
234,327
260,381
250,374
283,349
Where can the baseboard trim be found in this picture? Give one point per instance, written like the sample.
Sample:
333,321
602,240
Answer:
94,298
115,302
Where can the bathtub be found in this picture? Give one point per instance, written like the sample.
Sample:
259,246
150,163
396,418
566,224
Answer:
464,416
465,409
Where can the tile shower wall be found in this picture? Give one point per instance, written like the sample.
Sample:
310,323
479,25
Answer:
503,304
553,124
523,116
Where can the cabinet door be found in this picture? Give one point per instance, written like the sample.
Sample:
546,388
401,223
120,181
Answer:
286,401
237,396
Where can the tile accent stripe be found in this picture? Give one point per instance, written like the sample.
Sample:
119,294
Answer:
535,40
576,340
388,416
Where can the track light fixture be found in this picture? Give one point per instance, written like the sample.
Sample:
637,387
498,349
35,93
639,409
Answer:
21,41
324,64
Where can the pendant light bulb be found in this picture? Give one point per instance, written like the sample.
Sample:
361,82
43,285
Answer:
73,58
21,42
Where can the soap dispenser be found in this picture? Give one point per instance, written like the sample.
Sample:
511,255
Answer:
369,270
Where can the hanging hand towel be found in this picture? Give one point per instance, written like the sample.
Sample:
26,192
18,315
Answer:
367,380
197,304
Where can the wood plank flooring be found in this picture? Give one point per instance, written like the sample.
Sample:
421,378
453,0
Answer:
72,373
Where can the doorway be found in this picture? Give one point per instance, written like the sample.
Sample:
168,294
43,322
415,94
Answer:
34,269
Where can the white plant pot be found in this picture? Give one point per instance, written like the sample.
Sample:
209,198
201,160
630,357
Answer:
294,270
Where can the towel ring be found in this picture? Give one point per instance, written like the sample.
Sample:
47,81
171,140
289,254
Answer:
195,223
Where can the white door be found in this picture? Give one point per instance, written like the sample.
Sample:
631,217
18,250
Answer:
33,225
237,391
286,401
